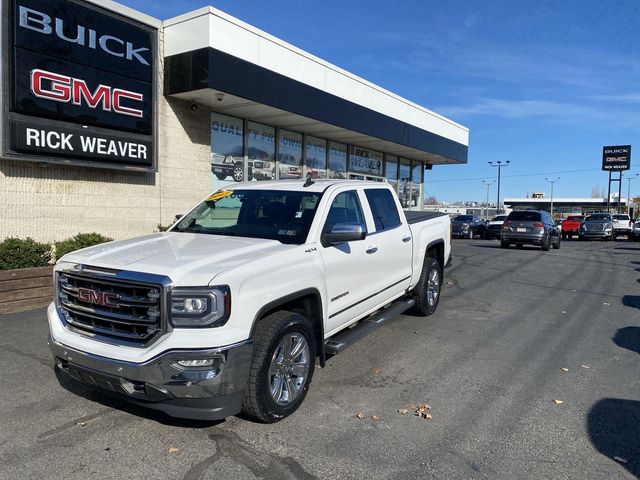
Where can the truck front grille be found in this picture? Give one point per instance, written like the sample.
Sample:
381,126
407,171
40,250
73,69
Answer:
594,227
119,312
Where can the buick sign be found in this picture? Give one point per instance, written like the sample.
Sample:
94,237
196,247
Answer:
82,83
616,158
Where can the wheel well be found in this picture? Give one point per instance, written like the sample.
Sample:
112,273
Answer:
308,305
436,250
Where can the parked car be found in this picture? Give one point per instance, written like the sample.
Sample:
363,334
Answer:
571,226
621,225
231,308
531,227
635,230
494,227
468,226
596,225
230,165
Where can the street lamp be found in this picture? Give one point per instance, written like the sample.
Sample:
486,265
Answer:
552,182
499,164
488,184
629,190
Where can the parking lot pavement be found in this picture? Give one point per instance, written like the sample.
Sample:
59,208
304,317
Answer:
490,363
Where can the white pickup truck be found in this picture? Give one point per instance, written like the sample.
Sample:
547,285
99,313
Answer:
232,307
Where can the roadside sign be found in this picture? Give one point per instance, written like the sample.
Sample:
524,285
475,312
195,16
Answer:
616,158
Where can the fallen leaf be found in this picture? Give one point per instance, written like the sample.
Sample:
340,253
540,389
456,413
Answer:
620,459
81,424
107,449
565,369
377,370
585,366
173,450
558,402
375,418
424,407
403,411
425,415
360,415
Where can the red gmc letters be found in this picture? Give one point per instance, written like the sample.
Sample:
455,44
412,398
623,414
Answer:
65,89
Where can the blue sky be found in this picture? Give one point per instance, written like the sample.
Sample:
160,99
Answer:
543,84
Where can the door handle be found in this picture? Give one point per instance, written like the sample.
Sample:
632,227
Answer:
371,250
406,239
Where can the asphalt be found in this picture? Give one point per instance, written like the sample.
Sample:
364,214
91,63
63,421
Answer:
489,362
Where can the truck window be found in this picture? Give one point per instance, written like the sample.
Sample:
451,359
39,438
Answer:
345,208
383,208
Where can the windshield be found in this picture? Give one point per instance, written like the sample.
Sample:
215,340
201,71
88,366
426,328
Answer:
499,218
463,218
574,219
284,216
598,217
621,217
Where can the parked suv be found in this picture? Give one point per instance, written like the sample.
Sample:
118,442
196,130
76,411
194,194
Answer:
531,227
597,225
468,226
494,227
635,230
621,225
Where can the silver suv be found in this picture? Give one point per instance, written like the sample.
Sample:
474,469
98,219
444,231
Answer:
596,225
532,227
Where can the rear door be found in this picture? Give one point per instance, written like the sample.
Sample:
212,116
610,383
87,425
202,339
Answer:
392,241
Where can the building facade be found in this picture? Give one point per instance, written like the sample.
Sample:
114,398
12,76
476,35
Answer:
115,122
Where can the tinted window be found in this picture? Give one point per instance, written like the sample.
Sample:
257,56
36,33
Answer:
524,216
574,219
383,208
598,217
621,217
345,209
463,218
499,218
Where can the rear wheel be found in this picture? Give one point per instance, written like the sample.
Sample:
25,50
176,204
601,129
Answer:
281,367
519,245
545,244
427,292
557,244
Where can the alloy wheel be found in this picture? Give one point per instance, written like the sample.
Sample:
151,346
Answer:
289,368
433,287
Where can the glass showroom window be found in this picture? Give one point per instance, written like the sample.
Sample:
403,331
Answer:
363,160
261,151
337,160
227,150
416,185
290,155
404,183
316,159
391,170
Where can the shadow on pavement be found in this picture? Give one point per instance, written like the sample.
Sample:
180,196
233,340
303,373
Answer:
113,401
631,301
633,249
629,338
613,426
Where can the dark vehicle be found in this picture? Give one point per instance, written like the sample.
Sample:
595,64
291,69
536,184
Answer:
571,226
596,225
494,227
230,165
468,226
531,227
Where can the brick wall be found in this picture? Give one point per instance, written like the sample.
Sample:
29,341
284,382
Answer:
52,202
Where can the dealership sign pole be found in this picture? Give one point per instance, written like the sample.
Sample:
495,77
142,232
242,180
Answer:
616,159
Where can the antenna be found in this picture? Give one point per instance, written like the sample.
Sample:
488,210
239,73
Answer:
309,182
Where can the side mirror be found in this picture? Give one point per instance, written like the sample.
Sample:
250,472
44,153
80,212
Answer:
343,232
178,217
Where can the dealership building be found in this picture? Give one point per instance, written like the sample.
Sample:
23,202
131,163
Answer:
114,122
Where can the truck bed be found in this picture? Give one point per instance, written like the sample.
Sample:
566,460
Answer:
415,217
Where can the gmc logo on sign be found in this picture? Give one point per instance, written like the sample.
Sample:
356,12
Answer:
65,89
104,299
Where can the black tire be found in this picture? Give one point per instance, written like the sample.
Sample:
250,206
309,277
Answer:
221,176
504,244
556,245
546,244
270,331
426,304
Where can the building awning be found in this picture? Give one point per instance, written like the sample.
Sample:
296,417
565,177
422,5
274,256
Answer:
208,53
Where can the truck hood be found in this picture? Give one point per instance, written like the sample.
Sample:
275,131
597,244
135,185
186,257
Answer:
189,259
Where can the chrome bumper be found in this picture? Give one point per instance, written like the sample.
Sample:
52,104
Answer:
208,393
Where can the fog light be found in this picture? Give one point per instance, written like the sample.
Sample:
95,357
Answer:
200,362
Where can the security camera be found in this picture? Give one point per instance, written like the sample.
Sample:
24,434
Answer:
194,107
219,96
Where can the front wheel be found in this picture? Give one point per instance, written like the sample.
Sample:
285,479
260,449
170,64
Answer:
427,292
282,365
504,244
238,173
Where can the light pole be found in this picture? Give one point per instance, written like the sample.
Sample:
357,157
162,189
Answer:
552,182
488,184
499,164
629,191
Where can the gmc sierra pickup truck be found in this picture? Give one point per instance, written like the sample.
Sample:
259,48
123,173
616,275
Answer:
232,308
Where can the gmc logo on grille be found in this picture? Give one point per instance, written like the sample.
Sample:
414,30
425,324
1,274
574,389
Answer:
105,299
65,89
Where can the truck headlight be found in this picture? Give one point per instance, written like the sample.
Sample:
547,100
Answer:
199,307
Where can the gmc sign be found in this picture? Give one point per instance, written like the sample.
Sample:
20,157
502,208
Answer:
616,158
82,85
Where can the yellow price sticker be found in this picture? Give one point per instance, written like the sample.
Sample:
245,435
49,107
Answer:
218,195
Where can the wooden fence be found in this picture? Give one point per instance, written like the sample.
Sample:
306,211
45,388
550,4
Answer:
25,289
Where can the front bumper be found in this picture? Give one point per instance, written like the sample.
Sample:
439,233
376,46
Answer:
595,234
209,393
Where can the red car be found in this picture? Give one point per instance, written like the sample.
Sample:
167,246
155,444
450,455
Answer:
571,226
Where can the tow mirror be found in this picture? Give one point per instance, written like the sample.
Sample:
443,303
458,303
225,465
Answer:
343,232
